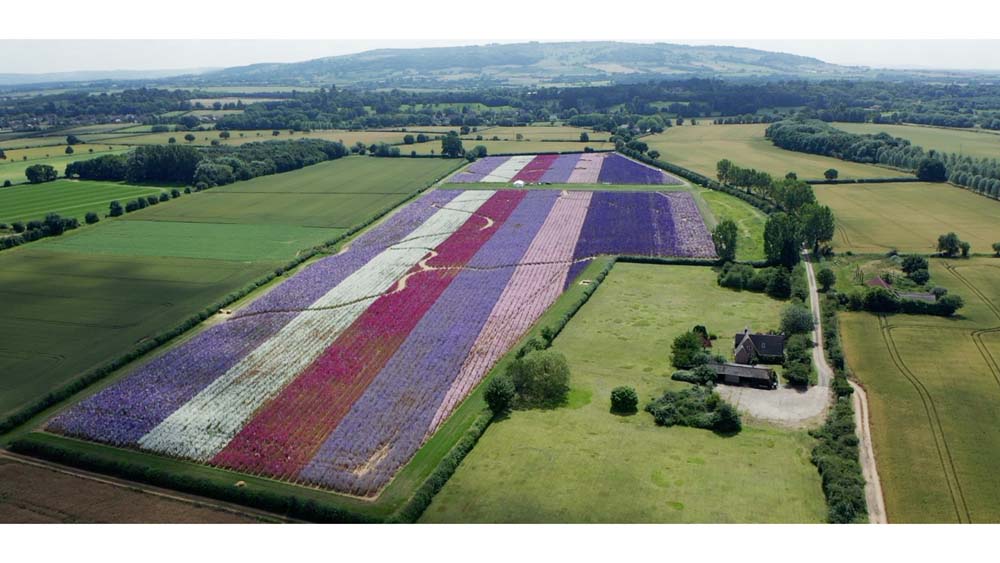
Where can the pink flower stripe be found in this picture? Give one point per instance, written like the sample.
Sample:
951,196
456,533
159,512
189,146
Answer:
536,168
537,282
588,169
286,434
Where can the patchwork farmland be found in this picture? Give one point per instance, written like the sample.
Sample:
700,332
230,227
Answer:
323,380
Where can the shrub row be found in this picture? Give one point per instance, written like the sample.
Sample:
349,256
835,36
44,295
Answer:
421,499
881,300
836,458
289,505
831,345
52,225
697,407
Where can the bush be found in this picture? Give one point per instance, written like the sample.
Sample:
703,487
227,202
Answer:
913,263
779,284
175,193
880,300
798,374
541,378
7,183
91,218
697,407
18,226
624,400
38,173
826,279
920,276
687,351
796,319
500,394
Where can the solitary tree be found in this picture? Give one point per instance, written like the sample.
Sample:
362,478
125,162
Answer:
584,137
451,146
831,174
69,149
115,209
38,173
91,218
73,140
826,278
189,137
796,319
500,394
724,236
171,140
817,224
996,249
224,134
949,244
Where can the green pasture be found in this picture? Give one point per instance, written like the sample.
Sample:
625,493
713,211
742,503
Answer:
700,147
69,198
14,170
934,393
353,175
216,241
971,142
580,463
66,312
909,216
749,220
203,138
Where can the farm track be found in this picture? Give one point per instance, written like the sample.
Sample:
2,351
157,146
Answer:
937,431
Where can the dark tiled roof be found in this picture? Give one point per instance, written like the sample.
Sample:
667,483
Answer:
765,344
742,371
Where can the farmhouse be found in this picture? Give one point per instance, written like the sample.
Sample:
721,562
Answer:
736,374
752,348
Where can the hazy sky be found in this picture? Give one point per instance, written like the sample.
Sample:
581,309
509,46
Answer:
38,56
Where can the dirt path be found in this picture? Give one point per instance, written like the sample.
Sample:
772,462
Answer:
866,455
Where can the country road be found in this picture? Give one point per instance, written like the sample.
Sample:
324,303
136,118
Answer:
866,454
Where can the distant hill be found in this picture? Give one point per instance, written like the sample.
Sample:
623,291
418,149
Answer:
530,64
16,79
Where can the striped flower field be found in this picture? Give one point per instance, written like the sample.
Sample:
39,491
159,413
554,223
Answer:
336,377
579,168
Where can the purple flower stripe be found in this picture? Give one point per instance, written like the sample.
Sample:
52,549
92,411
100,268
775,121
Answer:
693,238
387,424
479,169
610,227
560,170
123,413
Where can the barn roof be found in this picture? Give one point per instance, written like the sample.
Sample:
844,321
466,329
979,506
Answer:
764,344
738,370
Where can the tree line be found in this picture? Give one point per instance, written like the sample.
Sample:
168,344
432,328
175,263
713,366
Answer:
206,167
981,175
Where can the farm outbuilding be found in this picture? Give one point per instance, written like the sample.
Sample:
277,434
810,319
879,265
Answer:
736,374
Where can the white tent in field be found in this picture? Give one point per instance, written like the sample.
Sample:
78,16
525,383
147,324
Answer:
519,184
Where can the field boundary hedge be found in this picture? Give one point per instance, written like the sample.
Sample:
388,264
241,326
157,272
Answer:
22,415
898,180
704,181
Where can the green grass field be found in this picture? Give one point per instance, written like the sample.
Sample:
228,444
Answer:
14,170
972,142
934,393
64,313
69,198
203,138
507,147
354,175
580,463
537,133
909,216
702,146
216,241
44,152
749,219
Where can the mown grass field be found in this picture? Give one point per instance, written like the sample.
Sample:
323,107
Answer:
934,393
580,463
701,147
972,142
508,147
43,152
14,170
908,216
65,312
69,198
749,220
354,175
214,241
